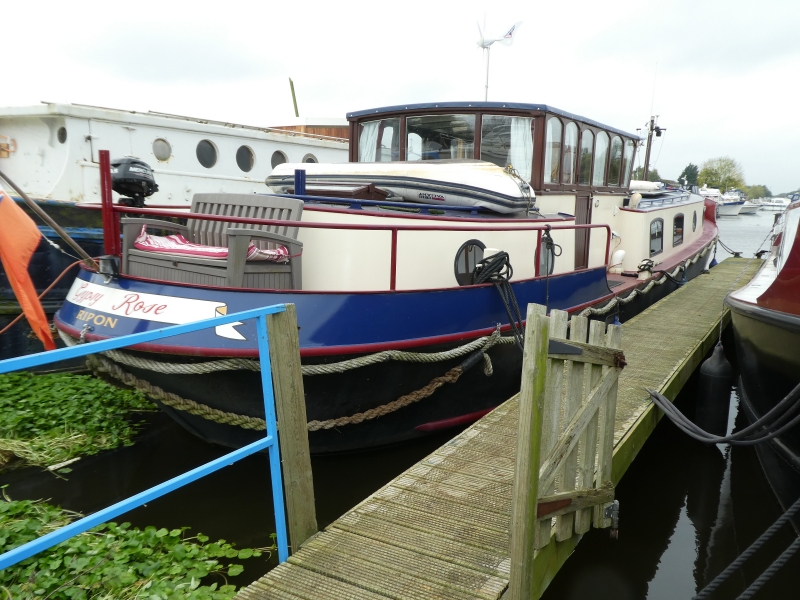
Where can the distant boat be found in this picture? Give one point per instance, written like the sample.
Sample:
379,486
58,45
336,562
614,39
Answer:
775,204
749,208
725,208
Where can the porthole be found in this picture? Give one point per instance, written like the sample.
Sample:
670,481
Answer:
245,158
547,259
310,158
62,134
278,158
162,150
468,256
206,154
694,221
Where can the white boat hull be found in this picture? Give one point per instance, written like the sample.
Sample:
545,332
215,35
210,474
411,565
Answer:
749,208
729,209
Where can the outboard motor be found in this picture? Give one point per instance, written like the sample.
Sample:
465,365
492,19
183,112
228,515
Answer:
132,179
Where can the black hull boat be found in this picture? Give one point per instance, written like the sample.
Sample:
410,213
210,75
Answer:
402,332
766,323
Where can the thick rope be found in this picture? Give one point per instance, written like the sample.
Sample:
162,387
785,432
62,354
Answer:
102,364
232,364
771,570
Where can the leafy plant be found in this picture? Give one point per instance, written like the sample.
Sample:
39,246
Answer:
114,561
48,419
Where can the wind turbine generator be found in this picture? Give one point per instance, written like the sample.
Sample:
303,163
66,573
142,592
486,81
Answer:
507,39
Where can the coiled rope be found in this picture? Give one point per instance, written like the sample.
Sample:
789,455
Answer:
497,269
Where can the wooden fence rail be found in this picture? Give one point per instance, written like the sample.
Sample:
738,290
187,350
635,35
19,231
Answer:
567,406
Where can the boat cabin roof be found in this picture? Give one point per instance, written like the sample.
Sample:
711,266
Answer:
506,107
553,150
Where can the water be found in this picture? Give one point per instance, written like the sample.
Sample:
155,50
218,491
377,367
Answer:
686,510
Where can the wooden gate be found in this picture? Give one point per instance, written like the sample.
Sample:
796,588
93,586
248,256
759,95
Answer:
567,405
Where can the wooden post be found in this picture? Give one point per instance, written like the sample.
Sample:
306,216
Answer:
583,518
605,448
552,410
290,407
526,472
573,395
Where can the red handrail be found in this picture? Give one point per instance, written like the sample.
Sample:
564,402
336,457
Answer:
394,229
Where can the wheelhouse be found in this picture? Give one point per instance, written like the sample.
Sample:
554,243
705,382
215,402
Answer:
553,150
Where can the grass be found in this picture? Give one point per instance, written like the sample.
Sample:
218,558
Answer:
113,561
50,419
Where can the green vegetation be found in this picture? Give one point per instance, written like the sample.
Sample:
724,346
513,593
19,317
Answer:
689,173
756,191
652,175
49,419
723,173
113,561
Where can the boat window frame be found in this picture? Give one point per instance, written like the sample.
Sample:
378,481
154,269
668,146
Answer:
583,131
618,184
678,242
548,119
564,153
653,222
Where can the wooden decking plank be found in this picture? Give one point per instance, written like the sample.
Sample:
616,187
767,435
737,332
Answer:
466,531
440,505
366,550
290,582
393,579
425,543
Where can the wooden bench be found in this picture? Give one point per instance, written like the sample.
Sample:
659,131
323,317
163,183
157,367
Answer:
233,271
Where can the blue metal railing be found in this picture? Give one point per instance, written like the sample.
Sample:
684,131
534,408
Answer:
270,442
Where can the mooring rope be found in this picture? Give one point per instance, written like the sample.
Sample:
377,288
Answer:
641,292
232,364
104,365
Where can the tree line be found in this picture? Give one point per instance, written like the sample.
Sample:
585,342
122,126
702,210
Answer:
723,173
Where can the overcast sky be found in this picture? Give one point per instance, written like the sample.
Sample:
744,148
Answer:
725,72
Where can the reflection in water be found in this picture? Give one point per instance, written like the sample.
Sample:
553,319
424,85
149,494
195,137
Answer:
686,511
234,503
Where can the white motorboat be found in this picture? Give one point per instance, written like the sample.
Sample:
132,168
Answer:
775,204
750,208
725,207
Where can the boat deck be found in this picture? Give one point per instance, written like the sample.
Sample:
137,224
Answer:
441,529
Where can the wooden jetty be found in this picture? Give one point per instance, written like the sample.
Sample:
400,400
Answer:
443,529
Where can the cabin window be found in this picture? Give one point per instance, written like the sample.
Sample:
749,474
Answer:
600,156
379,141
310,158
627,162
656,236
552,152
570,153
206,153
508,141
468,256
62,135
615,162
587,149
278,158
162,150
694,221
677,230
245,158
435,137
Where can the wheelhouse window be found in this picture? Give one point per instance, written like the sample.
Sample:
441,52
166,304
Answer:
508,141
615,162
627,162
552,152
656,236
570,153
600,156
677,230
379,141
434,137
587,149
